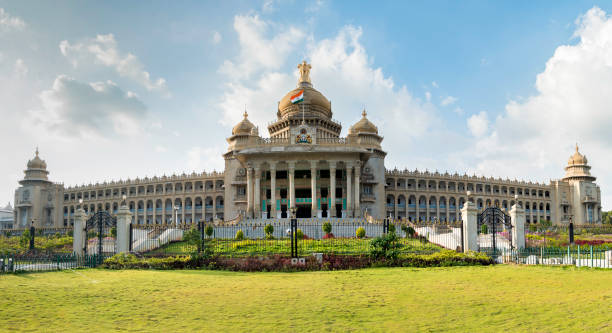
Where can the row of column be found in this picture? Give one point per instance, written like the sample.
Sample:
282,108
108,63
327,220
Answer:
254,188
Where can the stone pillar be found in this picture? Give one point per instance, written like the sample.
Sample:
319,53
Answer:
332,188
470,228
124,219
349,188
249,211
291,173
78,233
313,189
257,193
272,191
357,190
517,215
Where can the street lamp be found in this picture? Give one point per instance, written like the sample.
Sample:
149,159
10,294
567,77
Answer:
123,197
293,211
176,215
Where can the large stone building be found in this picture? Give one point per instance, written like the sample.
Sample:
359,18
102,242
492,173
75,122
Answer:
305,166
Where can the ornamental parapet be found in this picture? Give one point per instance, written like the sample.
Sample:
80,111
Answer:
456,176
257,142
150,180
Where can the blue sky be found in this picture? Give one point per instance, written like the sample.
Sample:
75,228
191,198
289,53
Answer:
118,89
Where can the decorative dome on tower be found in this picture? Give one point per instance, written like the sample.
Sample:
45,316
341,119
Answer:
311,99
577,158
36,162
363,125
244,127
577,168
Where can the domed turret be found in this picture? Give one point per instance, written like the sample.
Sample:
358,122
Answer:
577,168
37,163
363,125
577,159
36,171
244,127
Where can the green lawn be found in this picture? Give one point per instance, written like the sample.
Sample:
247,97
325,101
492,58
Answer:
230,247
475,299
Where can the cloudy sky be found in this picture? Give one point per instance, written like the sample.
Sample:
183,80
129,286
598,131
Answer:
114,89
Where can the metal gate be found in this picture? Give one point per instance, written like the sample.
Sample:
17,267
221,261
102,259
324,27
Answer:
498,231
101,234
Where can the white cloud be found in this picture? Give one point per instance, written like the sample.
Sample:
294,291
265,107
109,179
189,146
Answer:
536,135
205,158
458,110
257,50
216,37
20,68
434,84
448,100
342,70
428,96
76,109
8,22
103,50
478,124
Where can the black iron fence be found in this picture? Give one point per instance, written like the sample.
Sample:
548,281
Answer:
17,263
307,236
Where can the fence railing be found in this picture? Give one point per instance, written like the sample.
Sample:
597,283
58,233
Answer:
43,263
350,238
575,256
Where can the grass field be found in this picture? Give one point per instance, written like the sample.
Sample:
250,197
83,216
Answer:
476,299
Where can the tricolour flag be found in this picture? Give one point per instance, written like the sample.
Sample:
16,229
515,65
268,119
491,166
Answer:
299,97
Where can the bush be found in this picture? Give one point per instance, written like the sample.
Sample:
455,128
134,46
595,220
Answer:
360,233
327,228
113,232
299,234
385,247
391,228
192,237
269,230
209,230
239,235
24,240
484,229
409,231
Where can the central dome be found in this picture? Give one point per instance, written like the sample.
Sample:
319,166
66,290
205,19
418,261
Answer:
314,101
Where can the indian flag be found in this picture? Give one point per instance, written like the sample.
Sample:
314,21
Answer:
299,97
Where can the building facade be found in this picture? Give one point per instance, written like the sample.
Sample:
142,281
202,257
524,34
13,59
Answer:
6,217
306,167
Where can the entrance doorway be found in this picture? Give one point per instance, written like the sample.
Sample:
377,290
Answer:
303,212
339,210
284,211
323,210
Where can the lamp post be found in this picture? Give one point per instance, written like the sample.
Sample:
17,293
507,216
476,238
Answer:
176,215
123,197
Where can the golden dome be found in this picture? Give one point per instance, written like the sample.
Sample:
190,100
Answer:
363,126
577,158
244,127
36,162
312,97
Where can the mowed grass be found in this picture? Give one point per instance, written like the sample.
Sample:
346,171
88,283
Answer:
475,299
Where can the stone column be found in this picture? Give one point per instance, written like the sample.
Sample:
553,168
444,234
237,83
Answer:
332,188
272,190
349,188
291,173
517,215
124,219
357,190
470,228
249,211
313,189
257,193
78,233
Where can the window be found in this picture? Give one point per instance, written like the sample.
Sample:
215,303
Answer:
241,190
367,189
324,174
324,192
283,192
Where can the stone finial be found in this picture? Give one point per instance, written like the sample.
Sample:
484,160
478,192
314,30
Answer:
364,113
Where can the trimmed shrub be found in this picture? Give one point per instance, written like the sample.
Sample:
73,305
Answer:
299,234
209,230
360,232
269,230
409,231
192,237
327,228
484,229
239,235
385,247
391,228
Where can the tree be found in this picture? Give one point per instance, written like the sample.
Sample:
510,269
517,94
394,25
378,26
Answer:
269,230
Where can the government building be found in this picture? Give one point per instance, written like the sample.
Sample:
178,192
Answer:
305,167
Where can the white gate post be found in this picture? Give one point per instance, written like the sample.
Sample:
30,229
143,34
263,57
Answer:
470,232
124,219
78,231
517,215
